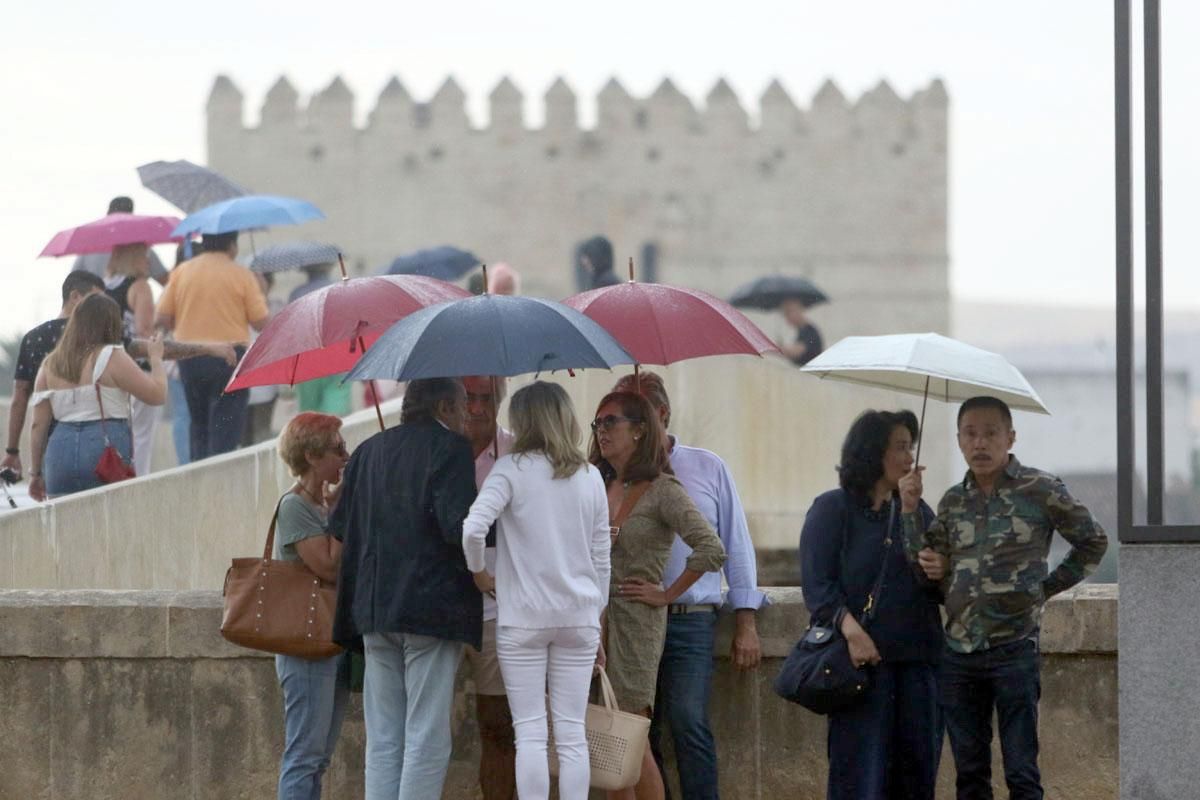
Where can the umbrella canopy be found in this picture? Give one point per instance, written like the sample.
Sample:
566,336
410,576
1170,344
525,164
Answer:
245,213
293,255
102,235
489,335
768,292
445,262
661,324
926,364
323,333
189,186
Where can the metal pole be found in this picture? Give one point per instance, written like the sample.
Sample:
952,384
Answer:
1154,257
1123,113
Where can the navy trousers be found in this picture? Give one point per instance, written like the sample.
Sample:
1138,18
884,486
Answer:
681,703
888,746
1006,679
218,419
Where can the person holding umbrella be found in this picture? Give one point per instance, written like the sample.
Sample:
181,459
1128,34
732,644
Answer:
888,744
97,263
647,508
808,344
213,298
793,296
405,594
988,547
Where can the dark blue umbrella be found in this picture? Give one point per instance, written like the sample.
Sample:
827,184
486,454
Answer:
444,263
489,335
768,292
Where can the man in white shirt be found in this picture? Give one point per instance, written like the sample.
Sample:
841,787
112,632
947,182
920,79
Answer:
498,752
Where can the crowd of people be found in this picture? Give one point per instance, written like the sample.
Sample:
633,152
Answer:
541,556
539,562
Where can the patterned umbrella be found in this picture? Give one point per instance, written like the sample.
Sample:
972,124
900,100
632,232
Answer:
294,255
189,186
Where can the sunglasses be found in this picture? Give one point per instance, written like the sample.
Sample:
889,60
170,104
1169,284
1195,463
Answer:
607,423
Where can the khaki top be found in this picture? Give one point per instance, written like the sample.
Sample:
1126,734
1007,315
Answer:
636,631
213,299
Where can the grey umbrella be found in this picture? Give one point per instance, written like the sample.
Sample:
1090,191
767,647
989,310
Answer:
294,255
768,292
189,186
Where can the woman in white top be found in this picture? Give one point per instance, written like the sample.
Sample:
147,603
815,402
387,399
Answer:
551,582
89,368
127,280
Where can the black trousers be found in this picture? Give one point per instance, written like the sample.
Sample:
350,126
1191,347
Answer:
217,418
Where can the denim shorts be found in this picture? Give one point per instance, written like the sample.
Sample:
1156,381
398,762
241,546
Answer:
73,450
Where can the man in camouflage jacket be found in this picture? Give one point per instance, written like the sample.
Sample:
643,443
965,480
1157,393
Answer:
988,548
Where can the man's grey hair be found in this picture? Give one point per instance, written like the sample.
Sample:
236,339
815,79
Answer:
421,398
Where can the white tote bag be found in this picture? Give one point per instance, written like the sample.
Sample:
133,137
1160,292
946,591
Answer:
616,742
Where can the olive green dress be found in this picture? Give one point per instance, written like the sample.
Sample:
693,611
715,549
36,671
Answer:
636,631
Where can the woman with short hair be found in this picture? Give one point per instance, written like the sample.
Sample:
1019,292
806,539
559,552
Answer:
314,690
647,507
83,392
888,745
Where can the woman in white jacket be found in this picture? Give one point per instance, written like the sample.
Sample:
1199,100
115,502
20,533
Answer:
551,582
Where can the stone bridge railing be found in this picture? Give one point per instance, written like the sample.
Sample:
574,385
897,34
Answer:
133,694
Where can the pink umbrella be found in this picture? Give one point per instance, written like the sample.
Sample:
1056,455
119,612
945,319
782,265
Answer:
104,234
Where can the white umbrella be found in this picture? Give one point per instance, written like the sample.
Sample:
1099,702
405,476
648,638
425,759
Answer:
927,365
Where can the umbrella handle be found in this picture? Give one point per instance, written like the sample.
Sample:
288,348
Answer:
921,427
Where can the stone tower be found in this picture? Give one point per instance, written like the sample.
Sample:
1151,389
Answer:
850,194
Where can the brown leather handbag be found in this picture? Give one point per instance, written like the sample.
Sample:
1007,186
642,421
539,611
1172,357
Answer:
279,606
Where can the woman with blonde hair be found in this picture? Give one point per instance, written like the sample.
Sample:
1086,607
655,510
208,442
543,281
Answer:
648,507
127,281
314,693
82,391
551,582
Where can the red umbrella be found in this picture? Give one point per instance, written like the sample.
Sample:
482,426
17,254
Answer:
326,331
102,235
660,324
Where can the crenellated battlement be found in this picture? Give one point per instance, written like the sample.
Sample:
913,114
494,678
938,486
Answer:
667,110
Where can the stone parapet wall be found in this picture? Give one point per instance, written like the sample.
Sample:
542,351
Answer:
779,431
135,695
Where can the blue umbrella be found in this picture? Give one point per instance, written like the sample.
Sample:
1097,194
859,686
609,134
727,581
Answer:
248,212
489,335
293,255
444,263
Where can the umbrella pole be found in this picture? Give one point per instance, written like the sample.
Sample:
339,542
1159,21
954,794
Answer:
362,347
342,264
921,429
631,269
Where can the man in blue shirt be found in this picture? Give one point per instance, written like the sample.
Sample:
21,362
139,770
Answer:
686,670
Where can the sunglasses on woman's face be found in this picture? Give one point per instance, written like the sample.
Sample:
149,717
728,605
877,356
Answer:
607,423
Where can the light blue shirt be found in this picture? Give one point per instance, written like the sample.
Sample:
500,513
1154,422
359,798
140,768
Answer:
709,484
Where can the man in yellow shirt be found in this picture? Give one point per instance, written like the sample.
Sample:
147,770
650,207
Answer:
213,298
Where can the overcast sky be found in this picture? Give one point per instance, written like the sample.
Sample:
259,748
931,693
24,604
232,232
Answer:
89,92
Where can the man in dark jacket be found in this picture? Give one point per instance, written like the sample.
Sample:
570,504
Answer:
404,586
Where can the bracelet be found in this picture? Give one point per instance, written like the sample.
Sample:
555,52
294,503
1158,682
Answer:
13,451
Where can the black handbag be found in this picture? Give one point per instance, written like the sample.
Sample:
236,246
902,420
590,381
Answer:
818,674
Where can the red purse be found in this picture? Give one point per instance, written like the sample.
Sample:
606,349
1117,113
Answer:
111,468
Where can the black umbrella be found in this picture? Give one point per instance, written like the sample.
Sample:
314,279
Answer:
768,292
444,263
293,255
489,334
189,186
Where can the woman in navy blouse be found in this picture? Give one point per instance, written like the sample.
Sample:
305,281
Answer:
887,746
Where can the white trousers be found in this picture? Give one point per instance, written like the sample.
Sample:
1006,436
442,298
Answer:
529,659
144,421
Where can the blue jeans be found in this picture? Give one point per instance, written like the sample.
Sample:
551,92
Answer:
685,676
314,703
75,447
217,419
889,745
408,690
181,422
1006,678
